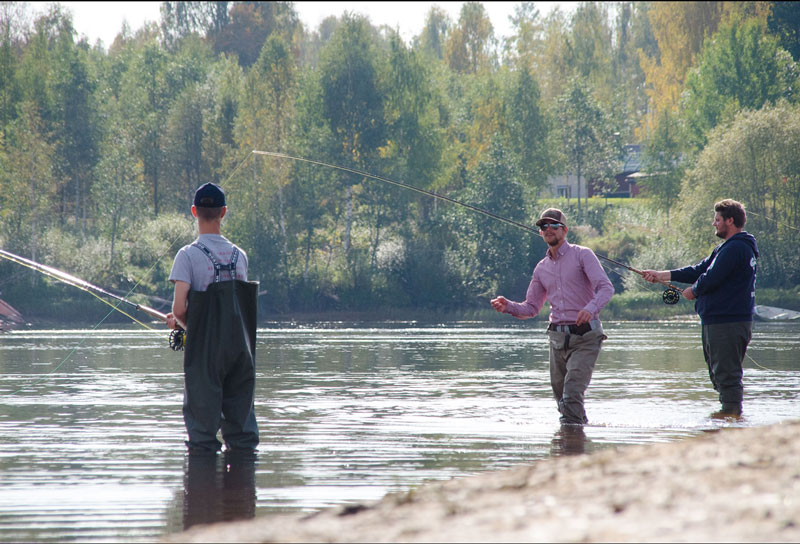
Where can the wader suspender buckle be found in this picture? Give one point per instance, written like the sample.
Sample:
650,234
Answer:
230,267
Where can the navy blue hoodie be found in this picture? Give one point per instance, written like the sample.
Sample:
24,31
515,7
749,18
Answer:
725,281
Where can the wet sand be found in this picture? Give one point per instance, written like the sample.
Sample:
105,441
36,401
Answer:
733,485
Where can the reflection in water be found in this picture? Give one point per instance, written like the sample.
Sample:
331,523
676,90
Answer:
568,440
219,487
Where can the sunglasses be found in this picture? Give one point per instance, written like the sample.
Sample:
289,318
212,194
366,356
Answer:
545,226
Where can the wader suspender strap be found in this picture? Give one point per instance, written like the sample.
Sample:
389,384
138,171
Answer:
231,267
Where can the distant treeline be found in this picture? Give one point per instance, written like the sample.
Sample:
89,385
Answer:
101,149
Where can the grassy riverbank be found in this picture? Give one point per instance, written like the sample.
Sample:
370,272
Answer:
734,485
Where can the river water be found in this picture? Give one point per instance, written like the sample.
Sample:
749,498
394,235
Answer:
91,432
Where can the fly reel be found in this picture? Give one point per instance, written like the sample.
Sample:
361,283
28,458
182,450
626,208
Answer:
177,339
671,295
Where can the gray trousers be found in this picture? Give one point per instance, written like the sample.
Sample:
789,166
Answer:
572,360
724,346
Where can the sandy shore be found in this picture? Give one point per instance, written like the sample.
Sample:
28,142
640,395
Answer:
734,485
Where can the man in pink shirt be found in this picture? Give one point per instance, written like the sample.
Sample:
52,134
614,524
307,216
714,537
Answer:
572,280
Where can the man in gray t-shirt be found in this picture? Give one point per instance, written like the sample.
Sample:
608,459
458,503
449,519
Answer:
217,307
192,265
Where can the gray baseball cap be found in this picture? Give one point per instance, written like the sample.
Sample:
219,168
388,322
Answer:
552,215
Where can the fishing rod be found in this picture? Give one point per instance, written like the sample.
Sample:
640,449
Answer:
671,294
177,337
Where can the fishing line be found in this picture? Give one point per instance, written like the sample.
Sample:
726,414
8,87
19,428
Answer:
615,271
755,363
64,360
83,286
773,220
670,296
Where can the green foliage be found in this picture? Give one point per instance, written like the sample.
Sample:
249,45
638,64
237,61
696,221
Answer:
491,253
586,134
664,164
100,151
754,161
529,132
740,68
590,45
468,48
434,33
351,97
30,182
10,91
784,22
117,178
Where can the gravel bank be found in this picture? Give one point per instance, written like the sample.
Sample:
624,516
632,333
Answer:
733,485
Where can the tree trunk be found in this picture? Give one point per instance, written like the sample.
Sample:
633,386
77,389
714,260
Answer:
348,218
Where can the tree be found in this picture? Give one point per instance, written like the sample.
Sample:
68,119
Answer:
529,132
434,34
276,72
11,15
184,142
118,176
313,196
585,132
551,65
54,76
680,29
179,19
524,47
29,182
76,125
414,144
741,68
250,24
468,48
784,22
664,163
352,102
633,33
490,252
590,48
145,109
753,160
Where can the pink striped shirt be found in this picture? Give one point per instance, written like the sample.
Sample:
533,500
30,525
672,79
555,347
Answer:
575,282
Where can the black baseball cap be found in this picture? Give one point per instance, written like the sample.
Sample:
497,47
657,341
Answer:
209,196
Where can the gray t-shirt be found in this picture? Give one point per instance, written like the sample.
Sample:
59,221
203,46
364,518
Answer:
194,267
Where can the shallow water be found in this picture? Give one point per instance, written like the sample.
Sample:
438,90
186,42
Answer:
91,433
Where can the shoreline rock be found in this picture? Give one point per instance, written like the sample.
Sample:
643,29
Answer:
730,485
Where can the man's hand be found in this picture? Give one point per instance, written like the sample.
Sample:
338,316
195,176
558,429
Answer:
656,276
688,294
583,317
500,303
172,321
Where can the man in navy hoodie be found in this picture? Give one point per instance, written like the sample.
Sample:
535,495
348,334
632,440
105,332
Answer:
723,285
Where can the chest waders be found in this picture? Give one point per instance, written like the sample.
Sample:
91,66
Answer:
219,362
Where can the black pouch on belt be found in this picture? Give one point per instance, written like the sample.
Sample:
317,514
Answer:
580,330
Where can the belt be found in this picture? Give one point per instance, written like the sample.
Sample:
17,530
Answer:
580,330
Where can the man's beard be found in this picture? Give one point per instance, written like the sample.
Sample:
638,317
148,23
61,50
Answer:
722,233
553,242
